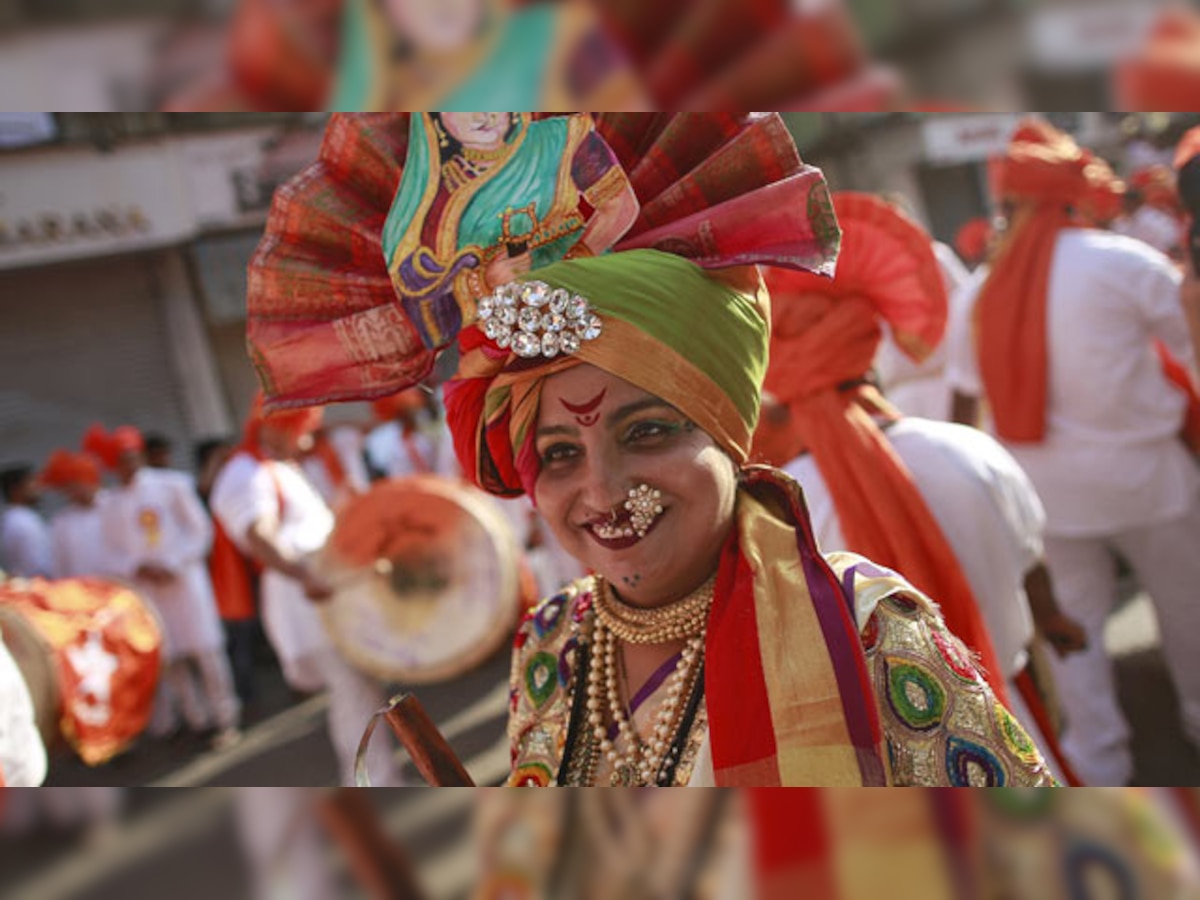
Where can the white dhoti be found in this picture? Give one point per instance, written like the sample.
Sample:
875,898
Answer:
1166,560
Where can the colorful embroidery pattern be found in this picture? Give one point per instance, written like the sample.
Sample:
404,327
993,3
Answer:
943,724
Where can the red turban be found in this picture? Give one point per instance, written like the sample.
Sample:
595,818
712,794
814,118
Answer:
295,422
824,336
64,468
108,447
388,408
1045,174
1166,73
972,239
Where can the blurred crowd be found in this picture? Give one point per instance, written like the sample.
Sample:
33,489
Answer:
222,574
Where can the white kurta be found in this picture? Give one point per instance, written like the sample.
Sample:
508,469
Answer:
80,547
22,754
1114,477
248,490
985,506
921,389
348,444
1159,229
396,457
25,549
158,519
1111,459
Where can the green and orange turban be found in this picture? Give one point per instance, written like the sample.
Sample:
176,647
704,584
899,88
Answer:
696,338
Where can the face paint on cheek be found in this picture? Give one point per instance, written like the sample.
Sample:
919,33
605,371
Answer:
585,413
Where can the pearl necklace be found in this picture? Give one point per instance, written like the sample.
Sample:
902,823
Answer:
641,761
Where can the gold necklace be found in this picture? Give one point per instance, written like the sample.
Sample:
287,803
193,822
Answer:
677,621
477,154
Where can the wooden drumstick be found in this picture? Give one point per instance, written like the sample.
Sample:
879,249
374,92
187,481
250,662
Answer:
430,752
379,865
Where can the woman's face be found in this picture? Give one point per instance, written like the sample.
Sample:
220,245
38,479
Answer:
436,25
597,438
477,129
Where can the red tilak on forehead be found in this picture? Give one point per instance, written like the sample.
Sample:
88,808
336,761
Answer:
585,414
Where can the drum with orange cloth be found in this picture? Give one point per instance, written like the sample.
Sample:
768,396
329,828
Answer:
90,651
428,580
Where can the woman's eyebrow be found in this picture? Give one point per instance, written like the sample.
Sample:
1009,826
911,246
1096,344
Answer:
568,430
637,406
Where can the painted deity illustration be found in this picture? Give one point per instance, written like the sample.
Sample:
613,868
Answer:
488,196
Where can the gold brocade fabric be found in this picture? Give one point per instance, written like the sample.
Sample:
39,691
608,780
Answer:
943,726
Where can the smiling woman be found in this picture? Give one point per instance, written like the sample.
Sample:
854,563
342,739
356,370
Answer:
714,644
618,384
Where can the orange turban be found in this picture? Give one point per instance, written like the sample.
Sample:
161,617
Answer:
388,408
1104,199
1045,174
971,242
108,447
64,468
1166,73
295,422
824,337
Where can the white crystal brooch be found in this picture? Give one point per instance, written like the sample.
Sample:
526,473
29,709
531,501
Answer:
533,319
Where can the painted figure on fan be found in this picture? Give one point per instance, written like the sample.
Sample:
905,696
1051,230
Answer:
486,197
480,54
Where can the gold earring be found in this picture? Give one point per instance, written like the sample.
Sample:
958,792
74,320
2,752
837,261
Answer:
443,141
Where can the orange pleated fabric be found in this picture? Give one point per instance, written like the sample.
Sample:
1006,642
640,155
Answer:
824,337
1044,174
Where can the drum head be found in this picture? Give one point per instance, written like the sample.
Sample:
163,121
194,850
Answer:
35,658
426,576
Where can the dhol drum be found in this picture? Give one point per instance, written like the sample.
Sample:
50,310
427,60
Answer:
90,651
35,659
426,576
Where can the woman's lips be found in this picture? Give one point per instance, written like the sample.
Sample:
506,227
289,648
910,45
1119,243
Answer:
618,535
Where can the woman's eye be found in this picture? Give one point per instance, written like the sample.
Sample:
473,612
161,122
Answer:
558,453
649,430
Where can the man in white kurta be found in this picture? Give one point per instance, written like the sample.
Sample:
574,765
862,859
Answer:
346,444
921,389
990,515
257,500
158,536
1113,475
77,530
25,549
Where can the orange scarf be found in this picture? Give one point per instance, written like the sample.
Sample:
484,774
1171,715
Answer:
1044,173
882,513
824,336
